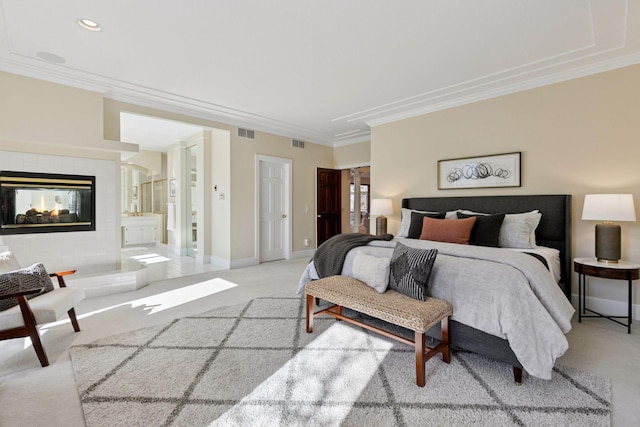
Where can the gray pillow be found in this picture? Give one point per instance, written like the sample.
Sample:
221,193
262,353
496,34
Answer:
410,270
33,277
486,230
519,230
372,270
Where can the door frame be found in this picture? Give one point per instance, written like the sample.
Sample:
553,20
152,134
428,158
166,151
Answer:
288,193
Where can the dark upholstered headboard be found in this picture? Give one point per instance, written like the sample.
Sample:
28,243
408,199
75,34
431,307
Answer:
554,230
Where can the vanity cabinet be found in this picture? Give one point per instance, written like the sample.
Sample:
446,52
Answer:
137,230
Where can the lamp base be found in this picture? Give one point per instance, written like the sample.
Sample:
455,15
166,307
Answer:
608,242
381,225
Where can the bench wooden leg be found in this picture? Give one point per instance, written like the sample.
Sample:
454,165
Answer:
517,375
420,358
309,313
444,327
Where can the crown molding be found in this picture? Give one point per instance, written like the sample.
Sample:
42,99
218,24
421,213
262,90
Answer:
52,75
574,73
354,140
221,115
146,97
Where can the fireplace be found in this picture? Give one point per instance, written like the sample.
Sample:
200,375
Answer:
46,203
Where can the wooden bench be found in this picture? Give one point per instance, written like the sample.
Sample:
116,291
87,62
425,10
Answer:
391,306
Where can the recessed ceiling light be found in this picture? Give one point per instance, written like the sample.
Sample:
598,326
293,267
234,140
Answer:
51,57
90,25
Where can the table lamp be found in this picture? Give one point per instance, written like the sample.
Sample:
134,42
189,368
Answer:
381,207
608,208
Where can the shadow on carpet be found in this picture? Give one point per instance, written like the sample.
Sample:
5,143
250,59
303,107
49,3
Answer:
254,364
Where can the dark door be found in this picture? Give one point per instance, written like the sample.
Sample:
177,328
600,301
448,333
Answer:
329,209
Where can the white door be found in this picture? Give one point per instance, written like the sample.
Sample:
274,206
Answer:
273,210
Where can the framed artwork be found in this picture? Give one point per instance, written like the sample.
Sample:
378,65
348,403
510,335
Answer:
497,170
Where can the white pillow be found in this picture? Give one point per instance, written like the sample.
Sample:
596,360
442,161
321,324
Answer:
519,230
452,214
405,222
8,262
372,270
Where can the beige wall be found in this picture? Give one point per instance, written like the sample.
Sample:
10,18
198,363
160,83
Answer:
305,162
353,155
576,137
38,111
221,210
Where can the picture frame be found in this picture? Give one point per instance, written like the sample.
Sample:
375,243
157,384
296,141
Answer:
172,188
495,170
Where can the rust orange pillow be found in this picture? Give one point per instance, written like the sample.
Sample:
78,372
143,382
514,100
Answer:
447,230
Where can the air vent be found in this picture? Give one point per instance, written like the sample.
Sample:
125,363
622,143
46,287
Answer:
297,143
246,133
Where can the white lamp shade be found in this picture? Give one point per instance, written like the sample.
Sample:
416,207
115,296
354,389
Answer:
608,207
381,207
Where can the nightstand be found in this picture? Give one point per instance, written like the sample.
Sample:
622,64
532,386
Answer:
618,271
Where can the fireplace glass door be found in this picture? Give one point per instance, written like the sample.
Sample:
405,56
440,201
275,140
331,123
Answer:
41,203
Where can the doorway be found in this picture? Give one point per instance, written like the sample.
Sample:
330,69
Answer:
273,204
329,204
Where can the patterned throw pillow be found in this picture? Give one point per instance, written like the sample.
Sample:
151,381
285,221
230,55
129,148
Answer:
410,270
33,277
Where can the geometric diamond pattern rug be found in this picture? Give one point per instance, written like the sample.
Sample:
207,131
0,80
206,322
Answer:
254,364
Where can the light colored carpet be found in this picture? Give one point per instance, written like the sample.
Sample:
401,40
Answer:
254,364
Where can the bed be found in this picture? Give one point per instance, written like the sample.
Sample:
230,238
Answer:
553,231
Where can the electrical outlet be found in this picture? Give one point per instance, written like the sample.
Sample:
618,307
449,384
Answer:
306,242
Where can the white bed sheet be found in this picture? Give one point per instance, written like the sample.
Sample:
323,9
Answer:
551,255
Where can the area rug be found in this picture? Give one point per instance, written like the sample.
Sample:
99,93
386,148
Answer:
255,365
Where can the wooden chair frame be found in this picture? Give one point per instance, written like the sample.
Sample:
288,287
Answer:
30,328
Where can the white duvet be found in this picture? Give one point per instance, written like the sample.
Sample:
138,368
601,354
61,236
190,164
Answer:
504,293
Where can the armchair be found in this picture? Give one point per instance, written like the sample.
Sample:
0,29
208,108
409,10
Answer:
22,319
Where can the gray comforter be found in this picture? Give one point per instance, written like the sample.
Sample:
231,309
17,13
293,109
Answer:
503,293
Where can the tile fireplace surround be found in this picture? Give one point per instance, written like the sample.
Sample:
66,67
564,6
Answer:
94,254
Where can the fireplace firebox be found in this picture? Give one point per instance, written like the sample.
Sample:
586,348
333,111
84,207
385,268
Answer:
46,203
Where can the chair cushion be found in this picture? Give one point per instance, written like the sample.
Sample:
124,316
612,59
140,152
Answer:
21,280
46,308
8,262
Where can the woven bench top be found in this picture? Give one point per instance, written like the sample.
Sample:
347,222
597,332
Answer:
391,306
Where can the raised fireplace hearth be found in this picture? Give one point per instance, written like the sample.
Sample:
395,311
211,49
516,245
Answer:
46,203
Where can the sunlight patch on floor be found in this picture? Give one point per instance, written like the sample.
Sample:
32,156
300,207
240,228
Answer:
322,371
150,258
163,301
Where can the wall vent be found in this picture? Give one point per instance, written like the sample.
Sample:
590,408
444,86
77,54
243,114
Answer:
297,143
246,133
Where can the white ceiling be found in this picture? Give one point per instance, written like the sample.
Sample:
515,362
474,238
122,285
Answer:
321,71
152,133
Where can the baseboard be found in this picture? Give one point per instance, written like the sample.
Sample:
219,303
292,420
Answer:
608,307
219,262
303,254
